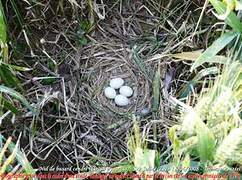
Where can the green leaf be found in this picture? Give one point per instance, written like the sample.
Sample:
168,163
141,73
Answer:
15,95
3,34
29,37
3,29
205,72
186,163
175,143
18,68
8,77
232,20
144,159
7,105
184,92
206,142
83,41
217,46
84,27
17,13
21,158
156,91
194,55
139,62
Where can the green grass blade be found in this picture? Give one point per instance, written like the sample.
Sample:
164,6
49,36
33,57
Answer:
21,158
217,46
194,55
15,95
140,63
206,72
8,105
156,91
17,12
8,162
18,68
25,28
176,145
3,29
144,159
206,142
232,20
184,92
3,35
8,77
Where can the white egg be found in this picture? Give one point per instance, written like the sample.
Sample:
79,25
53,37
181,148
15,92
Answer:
116,83
121,100
145,111
110,93
126,91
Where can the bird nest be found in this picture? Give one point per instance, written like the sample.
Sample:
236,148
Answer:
107,60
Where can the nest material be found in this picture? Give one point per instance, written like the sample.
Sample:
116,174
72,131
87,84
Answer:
108,61
102,126
93,132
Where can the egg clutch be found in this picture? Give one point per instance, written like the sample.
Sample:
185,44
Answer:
124,92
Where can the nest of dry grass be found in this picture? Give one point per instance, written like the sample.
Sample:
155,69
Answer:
102,61
109,60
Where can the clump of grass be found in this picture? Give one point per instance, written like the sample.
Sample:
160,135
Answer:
16,163
3,35
10,84
142,157
210,132
220,107
207,128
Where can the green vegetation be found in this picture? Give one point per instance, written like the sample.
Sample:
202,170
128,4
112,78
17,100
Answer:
183,59
211,130
16,162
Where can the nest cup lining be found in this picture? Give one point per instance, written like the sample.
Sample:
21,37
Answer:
117,61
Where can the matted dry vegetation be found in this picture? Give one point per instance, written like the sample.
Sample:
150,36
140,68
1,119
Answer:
75,124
